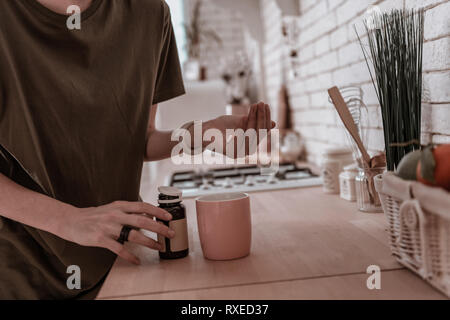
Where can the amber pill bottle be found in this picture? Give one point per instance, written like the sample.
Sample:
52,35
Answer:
170,199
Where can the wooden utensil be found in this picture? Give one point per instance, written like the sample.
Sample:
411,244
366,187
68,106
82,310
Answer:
347,119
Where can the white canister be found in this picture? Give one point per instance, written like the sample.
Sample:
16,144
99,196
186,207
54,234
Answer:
334,160
347,182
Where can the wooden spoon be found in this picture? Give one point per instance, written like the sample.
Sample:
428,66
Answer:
347,119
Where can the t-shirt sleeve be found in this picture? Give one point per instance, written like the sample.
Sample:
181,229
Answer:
6,166
169,80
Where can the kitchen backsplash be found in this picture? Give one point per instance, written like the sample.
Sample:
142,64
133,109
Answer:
331,55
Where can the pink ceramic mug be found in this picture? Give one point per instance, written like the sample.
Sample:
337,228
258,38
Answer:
224,225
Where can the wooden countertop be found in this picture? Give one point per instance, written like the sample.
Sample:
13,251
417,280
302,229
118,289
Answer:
305,245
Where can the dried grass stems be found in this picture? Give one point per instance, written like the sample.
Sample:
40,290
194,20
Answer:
395,41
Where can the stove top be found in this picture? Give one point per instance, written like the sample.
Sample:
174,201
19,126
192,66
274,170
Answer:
242,179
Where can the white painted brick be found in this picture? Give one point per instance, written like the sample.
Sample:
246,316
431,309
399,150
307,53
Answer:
306,5
333,4
321,82
436,54
350,54
313,15
351,75
318,116
322,45
312,85
309,68
300,102
319,100
312,132
338,37
441,139
410,4
437,22
388,5
325,81
351,9
328,62
306,53
296,88
437,86
321,27
436,119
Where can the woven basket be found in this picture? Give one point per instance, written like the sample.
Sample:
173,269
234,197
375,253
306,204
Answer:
419,227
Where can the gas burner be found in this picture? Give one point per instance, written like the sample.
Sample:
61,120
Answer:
242,179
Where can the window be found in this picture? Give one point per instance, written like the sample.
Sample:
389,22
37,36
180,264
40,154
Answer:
177,11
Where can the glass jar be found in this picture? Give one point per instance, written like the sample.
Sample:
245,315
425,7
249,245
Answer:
367,197
347,182
333,161
169,199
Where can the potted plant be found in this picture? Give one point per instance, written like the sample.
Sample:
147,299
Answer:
196,34
395,42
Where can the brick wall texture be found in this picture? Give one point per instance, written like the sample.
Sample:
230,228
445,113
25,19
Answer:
331,55
228,25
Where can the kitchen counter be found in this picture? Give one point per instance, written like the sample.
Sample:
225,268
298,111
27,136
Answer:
305,245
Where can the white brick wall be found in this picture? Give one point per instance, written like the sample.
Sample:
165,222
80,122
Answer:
331,55
228,25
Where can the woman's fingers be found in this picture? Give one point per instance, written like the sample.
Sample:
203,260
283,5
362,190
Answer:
268,118
120,250
143,222
268,127
139,238
261,124
142,207
251,124
250,146
259,118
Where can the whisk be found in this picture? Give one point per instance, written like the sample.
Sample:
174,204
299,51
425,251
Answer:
353,97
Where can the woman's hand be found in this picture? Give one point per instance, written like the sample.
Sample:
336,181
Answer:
101,226
259,118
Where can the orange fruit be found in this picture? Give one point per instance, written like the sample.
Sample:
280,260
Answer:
437,172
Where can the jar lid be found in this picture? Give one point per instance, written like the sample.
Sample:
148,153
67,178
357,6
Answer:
336,151
347,175
169,195
351,168
170,191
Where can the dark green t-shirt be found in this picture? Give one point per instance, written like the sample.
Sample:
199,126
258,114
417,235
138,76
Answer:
74,109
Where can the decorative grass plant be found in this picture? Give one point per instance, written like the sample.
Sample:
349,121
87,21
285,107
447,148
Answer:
395,42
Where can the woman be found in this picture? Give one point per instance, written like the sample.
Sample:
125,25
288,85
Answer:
77,121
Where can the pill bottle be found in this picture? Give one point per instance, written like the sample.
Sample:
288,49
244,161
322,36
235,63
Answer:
170,199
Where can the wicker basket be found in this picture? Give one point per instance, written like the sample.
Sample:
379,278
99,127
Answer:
419,227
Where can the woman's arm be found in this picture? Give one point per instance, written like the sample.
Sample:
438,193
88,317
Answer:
159,145
94,227
31,208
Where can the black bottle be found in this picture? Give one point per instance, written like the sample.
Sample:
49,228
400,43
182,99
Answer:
178,247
